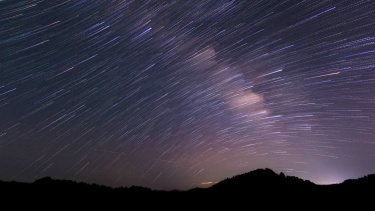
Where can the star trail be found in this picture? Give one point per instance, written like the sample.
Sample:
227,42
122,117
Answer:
182,94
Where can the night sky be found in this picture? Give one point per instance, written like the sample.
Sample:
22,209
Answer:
182,94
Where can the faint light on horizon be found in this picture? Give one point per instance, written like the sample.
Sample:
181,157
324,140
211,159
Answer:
329,181
208,183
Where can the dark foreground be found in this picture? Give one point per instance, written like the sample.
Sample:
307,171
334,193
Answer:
261,188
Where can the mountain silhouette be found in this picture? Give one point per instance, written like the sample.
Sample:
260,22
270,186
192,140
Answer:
260,188
261,180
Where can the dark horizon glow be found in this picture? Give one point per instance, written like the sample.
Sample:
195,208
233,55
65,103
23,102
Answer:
180,94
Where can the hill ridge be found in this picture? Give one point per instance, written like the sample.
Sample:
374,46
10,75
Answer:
259,186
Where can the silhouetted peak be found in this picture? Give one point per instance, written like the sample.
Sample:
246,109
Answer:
261,173
282,175
261,180
256,178
44,180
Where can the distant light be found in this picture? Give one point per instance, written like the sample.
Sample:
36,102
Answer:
208,183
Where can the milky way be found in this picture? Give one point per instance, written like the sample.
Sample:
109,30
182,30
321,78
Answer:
180,94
